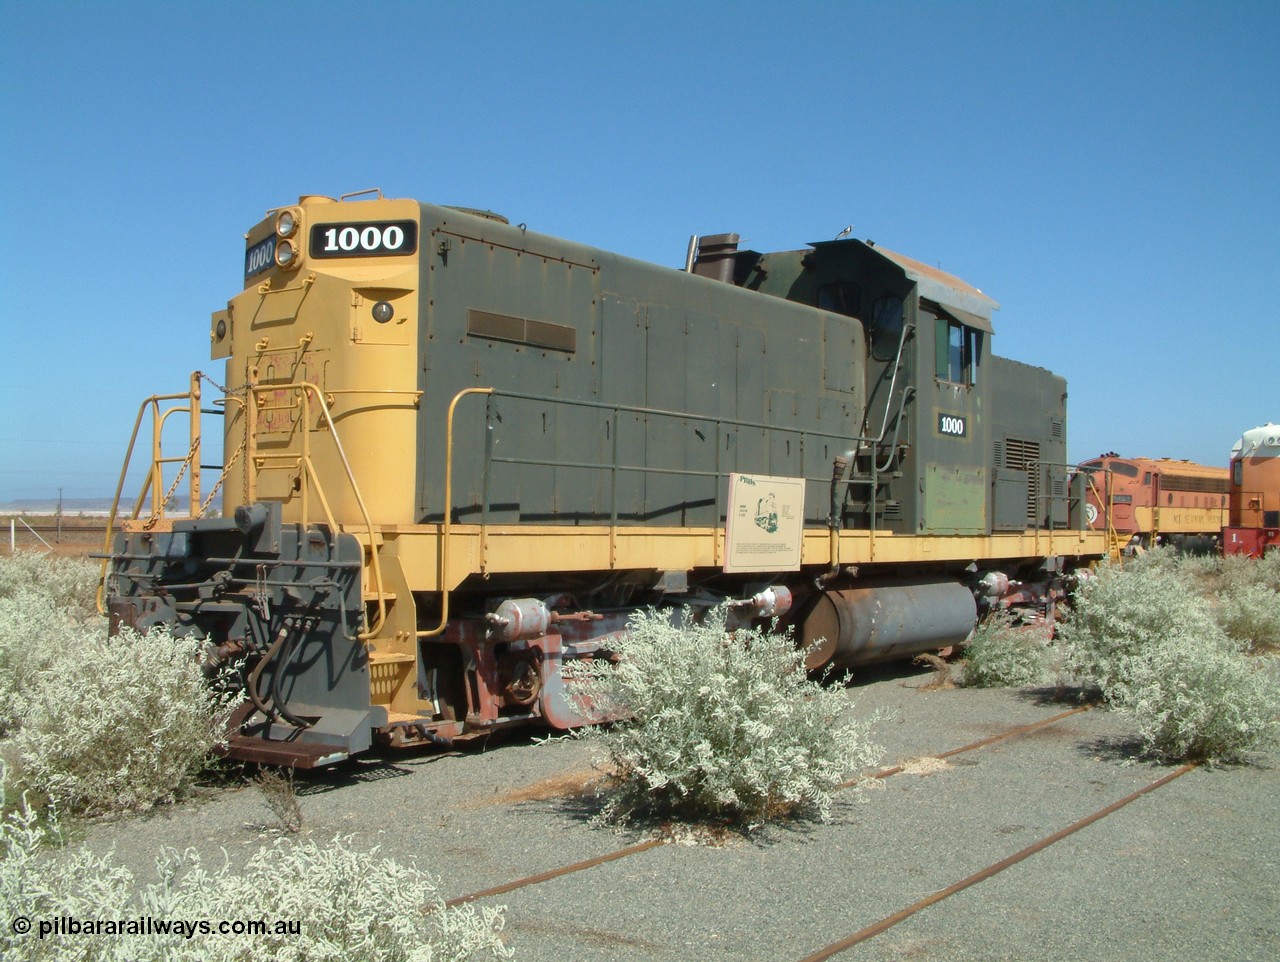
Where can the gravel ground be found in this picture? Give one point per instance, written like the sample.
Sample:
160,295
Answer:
1188,872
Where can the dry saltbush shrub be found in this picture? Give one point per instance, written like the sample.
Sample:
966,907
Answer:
352,906
1202,702
1239,572
721,726
1002,654
1243,593
122,723
69,584
1169,561
33,634
46,606
1122,614
1250,614
101,724
277,792
1153,648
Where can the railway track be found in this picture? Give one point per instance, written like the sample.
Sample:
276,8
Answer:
893,919
625,852
994,868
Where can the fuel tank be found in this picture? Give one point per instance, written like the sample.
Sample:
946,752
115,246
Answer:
864,625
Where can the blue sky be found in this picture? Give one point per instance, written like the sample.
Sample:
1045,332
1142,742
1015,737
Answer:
1107,171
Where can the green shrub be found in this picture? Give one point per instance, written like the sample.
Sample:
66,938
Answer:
117,724
1153,648
351,905
721,726
1004,655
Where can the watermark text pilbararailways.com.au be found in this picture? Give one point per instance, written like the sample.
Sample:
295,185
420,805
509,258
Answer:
70,926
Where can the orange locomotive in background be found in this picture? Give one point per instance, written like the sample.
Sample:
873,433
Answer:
1148,502
1254,522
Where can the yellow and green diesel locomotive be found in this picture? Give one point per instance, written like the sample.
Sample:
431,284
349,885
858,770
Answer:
459,454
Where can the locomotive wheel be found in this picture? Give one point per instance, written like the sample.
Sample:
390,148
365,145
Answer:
520,681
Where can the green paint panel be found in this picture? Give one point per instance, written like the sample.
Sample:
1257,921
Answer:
955,500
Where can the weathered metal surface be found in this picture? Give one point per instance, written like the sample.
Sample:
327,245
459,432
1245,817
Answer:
286,754
1250,542
955,499
860,626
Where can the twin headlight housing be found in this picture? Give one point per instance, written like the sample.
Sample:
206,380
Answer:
288,251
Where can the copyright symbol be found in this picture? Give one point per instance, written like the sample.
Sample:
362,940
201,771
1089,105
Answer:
21,925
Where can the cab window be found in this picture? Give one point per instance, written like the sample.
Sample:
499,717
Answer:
886,327
958,350
844,298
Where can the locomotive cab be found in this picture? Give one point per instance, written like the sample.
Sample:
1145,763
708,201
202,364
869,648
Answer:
964,442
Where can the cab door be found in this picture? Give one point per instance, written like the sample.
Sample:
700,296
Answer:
953,441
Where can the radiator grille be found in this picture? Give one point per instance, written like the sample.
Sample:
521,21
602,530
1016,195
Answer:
1182,482
1020,455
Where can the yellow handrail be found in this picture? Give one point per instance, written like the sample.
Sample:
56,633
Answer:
1112,534
309,473
153,480
448,514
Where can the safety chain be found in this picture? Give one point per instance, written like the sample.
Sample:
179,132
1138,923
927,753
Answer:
217,486
205,377
222,478
168,495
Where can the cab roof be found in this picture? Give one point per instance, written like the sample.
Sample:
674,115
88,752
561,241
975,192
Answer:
959,298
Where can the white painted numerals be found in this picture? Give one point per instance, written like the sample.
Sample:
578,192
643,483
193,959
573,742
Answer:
364,240
952,425
260,257
367,239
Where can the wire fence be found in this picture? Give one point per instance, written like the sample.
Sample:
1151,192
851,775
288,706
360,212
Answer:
68,534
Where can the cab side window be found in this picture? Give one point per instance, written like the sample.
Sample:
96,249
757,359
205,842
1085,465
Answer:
886,327
957,349
844,298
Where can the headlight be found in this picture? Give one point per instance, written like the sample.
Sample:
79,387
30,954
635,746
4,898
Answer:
286,223
285,254
383,312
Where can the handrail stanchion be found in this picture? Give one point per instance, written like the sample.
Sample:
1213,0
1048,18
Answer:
445,528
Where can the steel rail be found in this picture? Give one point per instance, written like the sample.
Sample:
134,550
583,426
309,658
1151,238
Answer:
658,842
995,868
980,743
557,872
